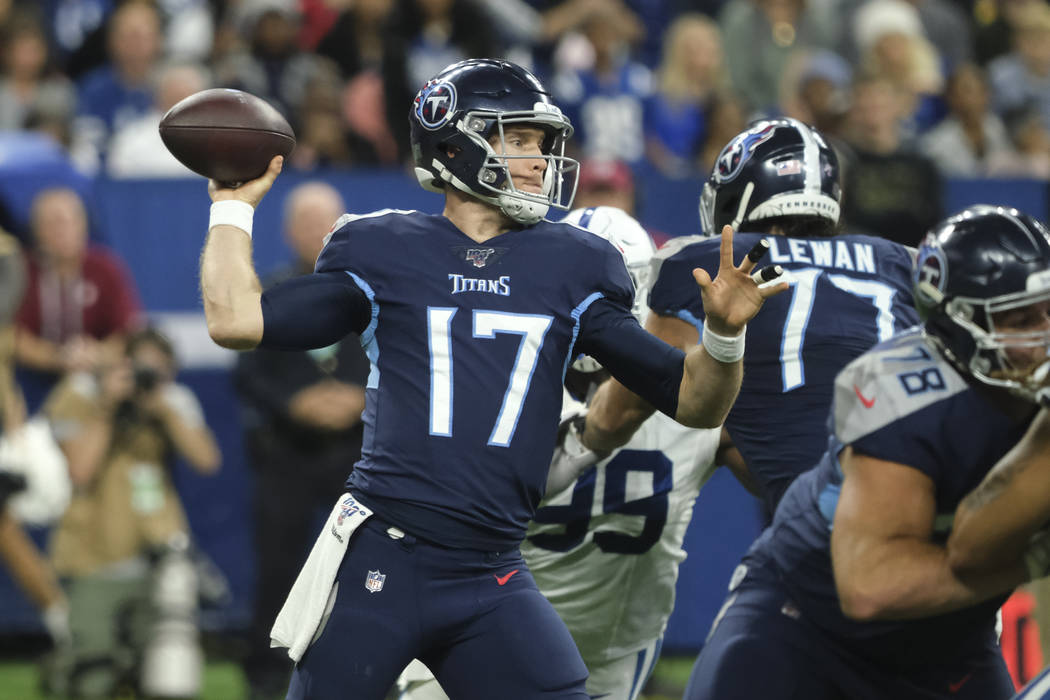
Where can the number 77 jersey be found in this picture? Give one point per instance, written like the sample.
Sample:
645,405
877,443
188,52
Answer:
469,344
846,293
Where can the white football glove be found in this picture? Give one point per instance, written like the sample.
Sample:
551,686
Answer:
571,458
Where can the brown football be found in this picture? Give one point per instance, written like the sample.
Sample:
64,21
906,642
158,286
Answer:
226,135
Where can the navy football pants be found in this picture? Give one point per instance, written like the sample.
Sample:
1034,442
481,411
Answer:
483,639
763,648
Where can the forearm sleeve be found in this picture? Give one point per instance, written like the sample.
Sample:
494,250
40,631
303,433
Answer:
313,311
639,360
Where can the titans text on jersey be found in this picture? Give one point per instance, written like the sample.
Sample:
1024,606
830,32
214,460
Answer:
461,283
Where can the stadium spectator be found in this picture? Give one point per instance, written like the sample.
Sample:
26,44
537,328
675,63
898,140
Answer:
80,302
815,89
943,22
370,54
136,149
438,33
189,30
120,426
119,91
994,32
892,190
531,28
324,138
302,409
606,183
605,99
77,30
726,117
892,45
691,71
28,76
271,66
1031,143
760,35
972,140
1022,77
24,561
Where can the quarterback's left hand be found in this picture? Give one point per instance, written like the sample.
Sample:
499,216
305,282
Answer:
733,297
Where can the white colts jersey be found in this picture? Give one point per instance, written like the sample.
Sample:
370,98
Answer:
606,550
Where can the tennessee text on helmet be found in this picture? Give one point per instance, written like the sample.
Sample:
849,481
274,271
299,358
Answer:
777,167
970,269
456,114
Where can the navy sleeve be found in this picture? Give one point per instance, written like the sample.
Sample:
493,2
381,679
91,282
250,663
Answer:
675,292
639,360
313,311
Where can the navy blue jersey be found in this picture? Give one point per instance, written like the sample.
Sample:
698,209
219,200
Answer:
847,293
469,344
900,402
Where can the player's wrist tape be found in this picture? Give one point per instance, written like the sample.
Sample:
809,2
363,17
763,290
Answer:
232,212
722,347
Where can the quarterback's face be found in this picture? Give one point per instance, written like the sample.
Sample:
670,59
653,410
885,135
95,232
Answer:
523,141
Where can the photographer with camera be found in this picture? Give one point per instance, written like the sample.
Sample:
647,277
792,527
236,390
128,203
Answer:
23,560
120,427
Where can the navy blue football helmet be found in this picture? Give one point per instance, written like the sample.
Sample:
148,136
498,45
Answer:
970,268
461,108
777,167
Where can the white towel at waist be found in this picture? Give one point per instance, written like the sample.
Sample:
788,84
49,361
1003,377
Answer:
303,610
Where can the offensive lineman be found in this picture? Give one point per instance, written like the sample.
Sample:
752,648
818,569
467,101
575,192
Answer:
779,181
849,593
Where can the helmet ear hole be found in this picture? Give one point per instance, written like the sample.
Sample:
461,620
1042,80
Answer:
727,211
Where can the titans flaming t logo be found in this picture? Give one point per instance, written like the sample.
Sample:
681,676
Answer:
732,158
435,104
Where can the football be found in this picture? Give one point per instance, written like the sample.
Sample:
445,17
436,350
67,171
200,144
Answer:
226,135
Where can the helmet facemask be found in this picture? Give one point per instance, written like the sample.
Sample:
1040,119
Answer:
494,177
995,349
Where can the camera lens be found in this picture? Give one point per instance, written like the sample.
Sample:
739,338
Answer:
146,378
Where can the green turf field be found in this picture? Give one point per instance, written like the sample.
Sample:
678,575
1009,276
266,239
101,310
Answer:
224,681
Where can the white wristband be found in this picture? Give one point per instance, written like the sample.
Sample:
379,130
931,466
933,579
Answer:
232,212
723,348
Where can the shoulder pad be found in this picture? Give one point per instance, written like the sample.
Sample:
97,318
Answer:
890,382
349,218
676,244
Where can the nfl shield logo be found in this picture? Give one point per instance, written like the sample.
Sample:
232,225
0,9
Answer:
374,581
479,256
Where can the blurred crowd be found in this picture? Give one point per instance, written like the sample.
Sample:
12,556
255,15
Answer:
910,91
